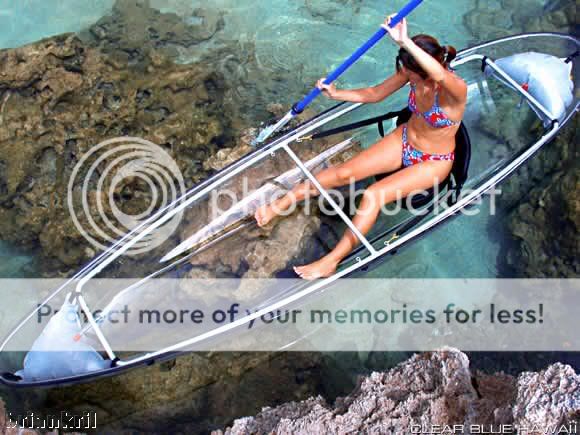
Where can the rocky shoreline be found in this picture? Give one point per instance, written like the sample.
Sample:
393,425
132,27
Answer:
428,390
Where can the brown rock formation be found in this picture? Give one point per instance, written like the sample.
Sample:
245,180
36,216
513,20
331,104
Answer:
134,29
431,389
428,389
549,398
60,98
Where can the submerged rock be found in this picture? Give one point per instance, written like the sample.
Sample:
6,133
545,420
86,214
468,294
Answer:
490,20
435,388
539,200
541,211
261,252
134,28
544,226
59,99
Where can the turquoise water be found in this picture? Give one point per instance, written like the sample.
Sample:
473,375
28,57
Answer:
14,262
26,21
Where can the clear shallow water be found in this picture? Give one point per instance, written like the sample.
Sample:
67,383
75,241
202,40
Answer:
13,262
26,21
309,38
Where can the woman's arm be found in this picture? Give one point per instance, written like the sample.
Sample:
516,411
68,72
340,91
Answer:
451,83
366,95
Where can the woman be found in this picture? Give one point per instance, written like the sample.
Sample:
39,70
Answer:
423,149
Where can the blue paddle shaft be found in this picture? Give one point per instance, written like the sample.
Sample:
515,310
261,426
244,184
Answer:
299,107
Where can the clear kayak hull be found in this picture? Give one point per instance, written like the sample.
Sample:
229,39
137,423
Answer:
235,248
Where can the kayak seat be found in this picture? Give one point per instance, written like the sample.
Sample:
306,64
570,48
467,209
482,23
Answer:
459,171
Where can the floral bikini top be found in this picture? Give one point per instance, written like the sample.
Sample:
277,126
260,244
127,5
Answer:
435,117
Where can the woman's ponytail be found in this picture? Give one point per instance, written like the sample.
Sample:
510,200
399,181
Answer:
450,54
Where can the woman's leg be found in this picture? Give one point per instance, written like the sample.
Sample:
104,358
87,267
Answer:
382,157
398,185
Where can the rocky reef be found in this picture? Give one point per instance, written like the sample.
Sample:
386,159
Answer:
134,28
545,224
436,388
498,18
59,99
539,202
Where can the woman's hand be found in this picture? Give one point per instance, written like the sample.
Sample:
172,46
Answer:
399,32
329,91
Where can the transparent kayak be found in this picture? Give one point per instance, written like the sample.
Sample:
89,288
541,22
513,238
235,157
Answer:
226,250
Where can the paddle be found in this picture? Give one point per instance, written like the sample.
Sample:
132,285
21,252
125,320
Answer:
300,106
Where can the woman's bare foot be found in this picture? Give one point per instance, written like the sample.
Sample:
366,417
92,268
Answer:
265,214
322,268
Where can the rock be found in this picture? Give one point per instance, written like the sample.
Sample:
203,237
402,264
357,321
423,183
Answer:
493,23
276,109
259,252
227,156
562,19
543,211
134,29
550,398
64,98
435,388
287,241
486,21
333,11
496,395
250,255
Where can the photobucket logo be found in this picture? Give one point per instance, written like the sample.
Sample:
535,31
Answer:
119,184
352,198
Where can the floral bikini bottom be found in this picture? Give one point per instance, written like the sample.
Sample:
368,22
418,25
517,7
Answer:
412,156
